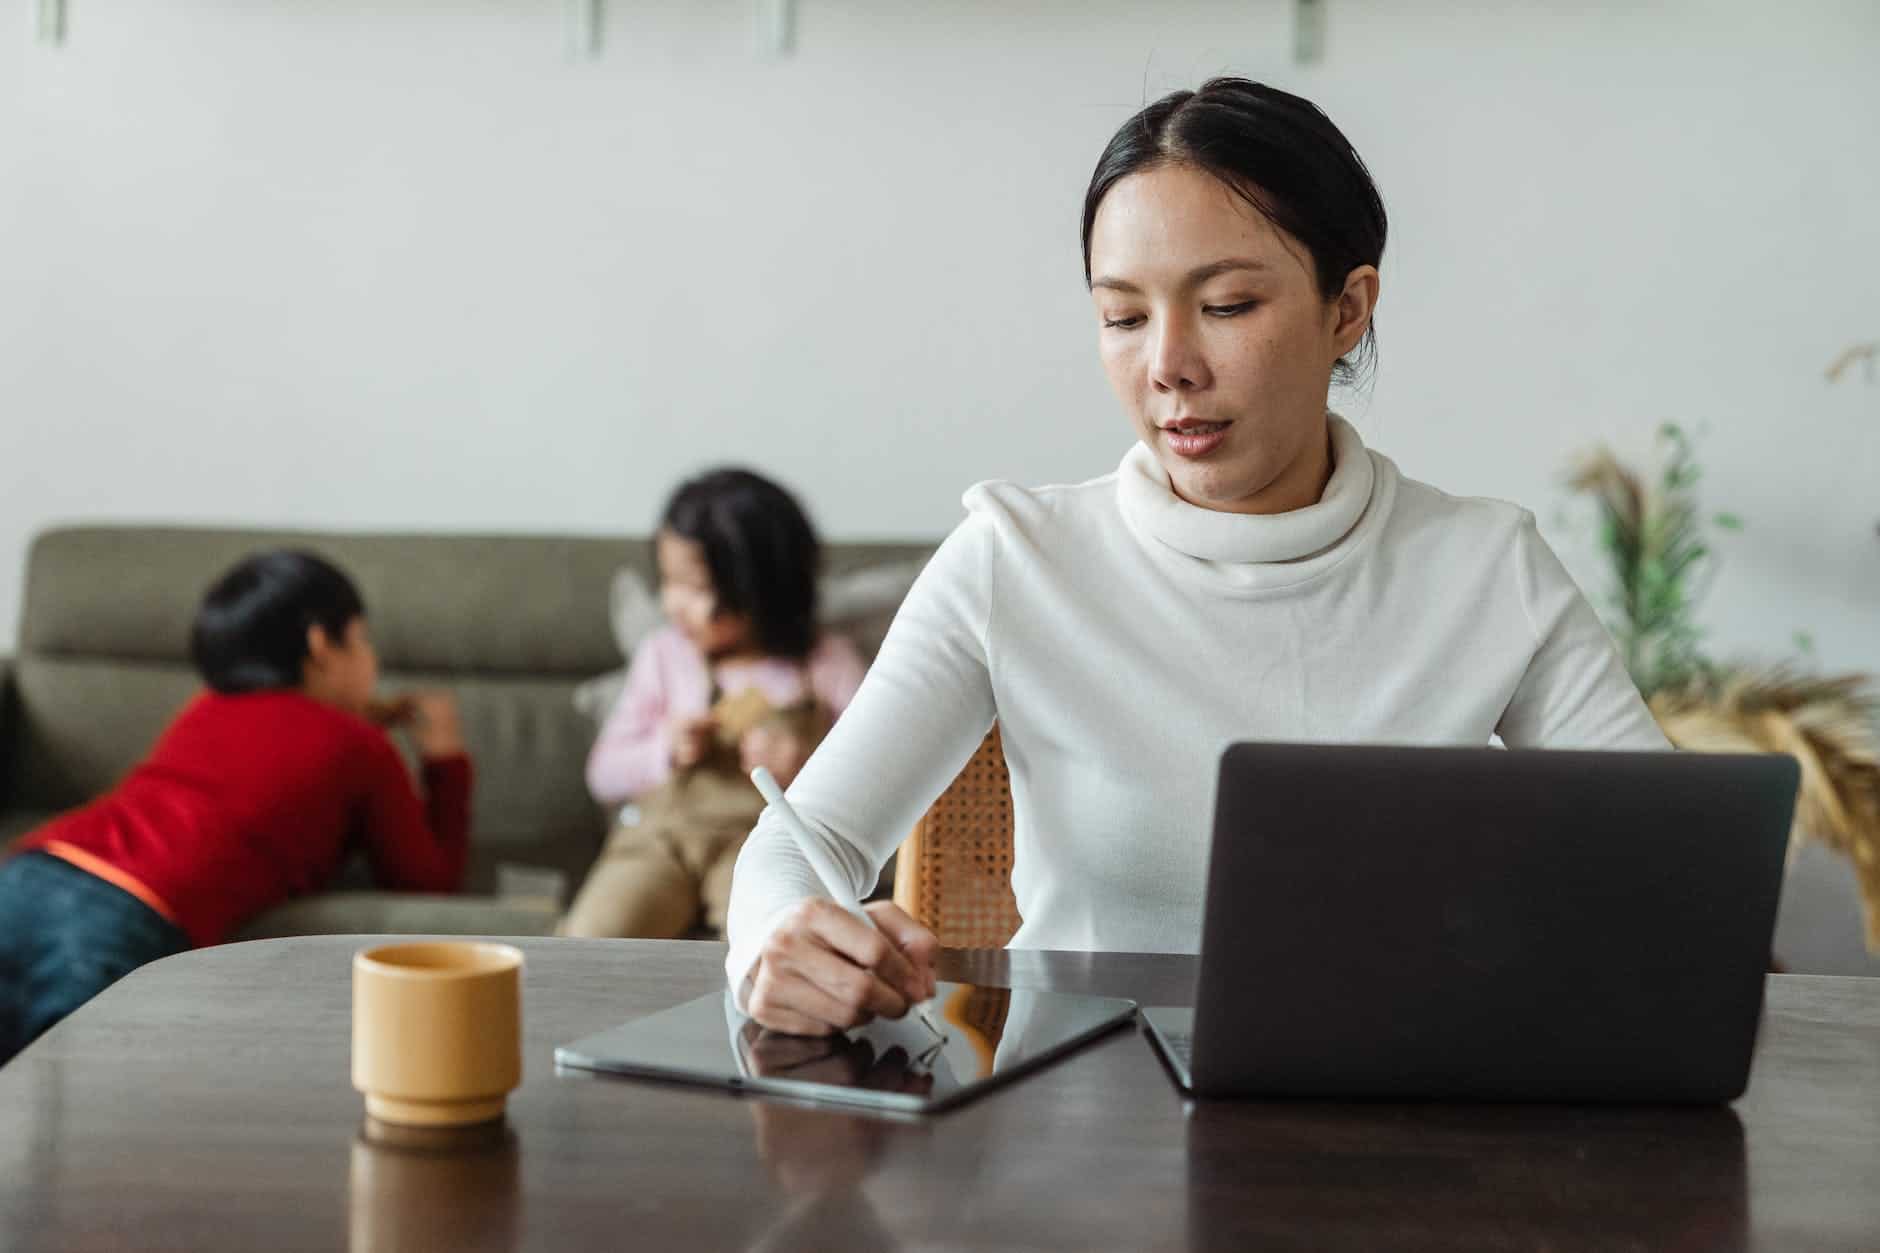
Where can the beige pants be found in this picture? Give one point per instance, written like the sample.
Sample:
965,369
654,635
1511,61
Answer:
659,878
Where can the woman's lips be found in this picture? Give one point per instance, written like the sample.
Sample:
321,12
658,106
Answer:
1195,439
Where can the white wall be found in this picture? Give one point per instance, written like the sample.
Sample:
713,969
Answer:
402,264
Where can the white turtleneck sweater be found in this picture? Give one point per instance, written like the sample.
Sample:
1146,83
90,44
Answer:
1123,637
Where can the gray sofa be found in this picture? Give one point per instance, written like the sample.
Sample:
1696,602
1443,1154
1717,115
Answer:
511,624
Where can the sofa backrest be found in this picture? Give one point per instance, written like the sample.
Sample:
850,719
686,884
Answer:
511,623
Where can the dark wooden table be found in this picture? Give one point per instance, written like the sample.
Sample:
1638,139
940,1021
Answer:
203,1103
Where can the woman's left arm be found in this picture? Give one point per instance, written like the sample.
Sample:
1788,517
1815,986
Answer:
1576,692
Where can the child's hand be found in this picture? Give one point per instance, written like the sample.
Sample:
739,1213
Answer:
389,711
691,739
436,728
779,751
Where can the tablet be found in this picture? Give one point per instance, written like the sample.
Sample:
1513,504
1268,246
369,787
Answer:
982,1037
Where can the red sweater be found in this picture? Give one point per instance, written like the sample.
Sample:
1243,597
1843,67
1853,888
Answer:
249,800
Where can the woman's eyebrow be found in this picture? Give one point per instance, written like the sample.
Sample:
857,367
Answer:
1200,274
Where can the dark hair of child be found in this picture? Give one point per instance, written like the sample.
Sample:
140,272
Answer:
762,552
251,631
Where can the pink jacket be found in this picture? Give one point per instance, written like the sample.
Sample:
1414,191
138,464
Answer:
668,677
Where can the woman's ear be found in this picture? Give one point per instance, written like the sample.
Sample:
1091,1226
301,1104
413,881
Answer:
1354,308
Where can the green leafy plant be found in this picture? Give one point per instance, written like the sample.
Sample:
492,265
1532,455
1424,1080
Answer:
1657,541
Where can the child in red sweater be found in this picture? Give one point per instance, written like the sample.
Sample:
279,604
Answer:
252,795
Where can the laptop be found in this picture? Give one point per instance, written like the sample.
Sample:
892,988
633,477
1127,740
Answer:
1484,924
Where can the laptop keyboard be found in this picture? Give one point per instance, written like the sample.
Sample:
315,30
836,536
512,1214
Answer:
1181,1045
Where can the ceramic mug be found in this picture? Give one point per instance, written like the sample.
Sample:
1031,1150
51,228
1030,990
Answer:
437,1031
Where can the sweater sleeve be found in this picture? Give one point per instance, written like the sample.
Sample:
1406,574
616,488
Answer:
918,716
633,754
1576,692
413,845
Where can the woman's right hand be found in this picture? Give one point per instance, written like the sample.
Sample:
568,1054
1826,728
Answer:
691,737
824,970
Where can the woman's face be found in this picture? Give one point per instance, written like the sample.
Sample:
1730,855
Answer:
689,598
1217,340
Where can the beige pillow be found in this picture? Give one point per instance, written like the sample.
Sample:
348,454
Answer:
633,614
861,603
857,603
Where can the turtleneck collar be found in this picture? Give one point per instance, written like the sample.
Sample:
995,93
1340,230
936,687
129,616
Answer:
1154,511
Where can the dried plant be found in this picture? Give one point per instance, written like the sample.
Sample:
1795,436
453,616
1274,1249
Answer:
1656,540
1825,723
1867,355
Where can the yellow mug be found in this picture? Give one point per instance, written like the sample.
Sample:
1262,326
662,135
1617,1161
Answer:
437,1031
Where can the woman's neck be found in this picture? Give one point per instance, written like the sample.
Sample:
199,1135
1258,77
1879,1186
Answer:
1148,499
1300,485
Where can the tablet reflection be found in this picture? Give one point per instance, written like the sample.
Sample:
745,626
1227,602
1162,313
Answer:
433,1188
849,1061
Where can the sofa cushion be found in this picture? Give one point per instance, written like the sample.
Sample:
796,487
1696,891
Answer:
1820,929
401,913
529,745
17,822
441,603
85,721
9,728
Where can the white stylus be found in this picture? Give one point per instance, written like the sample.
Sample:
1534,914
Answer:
833,880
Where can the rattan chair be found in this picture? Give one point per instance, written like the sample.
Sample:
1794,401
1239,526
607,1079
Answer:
954,872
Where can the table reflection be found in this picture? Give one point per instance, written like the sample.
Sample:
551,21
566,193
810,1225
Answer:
1261,1174
817,1158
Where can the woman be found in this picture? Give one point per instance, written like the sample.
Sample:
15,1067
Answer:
1250,571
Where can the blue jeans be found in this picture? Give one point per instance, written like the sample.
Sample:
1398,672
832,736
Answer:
66,936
